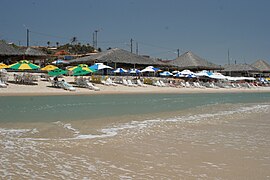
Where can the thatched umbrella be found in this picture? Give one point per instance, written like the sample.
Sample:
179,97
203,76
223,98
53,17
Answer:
191,61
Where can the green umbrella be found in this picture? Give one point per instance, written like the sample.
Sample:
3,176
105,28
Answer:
57,72
79,71
23,64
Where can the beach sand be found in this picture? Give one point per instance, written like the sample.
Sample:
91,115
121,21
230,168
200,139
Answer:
43,88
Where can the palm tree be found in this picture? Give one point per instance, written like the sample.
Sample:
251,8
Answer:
73,40
48,43
57,44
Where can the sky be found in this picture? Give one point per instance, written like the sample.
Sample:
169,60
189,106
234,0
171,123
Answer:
208,28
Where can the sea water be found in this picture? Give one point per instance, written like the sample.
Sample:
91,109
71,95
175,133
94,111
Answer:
139,136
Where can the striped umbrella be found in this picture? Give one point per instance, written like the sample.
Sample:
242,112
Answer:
81,69
3,66
49,68
23,65
57,72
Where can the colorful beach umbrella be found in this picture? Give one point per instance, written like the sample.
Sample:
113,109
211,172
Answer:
82,66
166,73
99,66
120,70
23,65
150,69
80,70
3,66
134,71
60,61
57,72
49,68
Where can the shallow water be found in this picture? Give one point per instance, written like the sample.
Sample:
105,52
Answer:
200,136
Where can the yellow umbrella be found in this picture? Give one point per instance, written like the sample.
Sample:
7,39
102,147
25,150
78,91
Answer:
83,67
49,68
3,66
23,64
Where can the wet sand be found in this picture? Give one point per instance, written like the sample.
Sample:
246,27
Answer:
216,142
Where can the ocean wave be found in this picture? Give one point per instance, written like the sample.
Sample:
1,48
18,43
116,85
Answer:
114,130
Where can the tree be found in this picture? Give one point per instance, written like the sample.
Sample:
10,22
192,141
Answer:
57,44
48,43
74,40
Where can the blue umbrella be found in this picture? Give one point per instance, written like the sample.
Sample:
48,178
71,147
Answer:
179,75
99,66
166,73
60,61
120,70
134,71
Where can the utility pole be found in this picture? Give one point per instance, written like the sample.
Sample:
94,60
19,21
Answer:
137,48
228,57
96,31
131,41
178,52
27,37
94,43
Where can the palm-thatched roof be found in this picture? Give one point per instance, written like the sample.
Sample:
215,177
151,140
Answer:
30,51
262,65
239,68
8,50
116,55
191,61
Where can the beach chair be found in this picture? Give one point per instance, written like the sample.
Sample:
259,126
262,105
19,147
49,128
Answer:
124,82
66,86
131,83
182,84
91,86
157,83
2,84
162,83
140,83
110,82
188,85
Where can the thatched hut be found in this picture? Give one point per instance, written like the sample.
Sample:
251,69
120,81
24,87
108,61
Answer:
263,66
7,52
239,70
117,58
193,62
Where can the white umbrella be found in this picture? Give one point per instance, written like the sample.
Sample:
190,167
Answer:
120,70
186,72
99,66
179,75
134,71
204,73
166,73
217,76
150,69
60,61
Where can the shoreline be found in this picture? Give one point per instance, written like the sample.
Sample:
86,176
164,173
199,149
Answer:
44,89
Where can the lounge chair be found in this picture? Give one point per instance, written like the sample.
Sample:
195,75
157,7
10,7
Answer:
2,84
157,83
66,86
140,83
188,85
162,83
110,82
131,84
125,83
91,86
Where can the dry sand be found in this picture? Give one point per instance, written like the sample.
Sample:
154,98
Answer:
43,88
